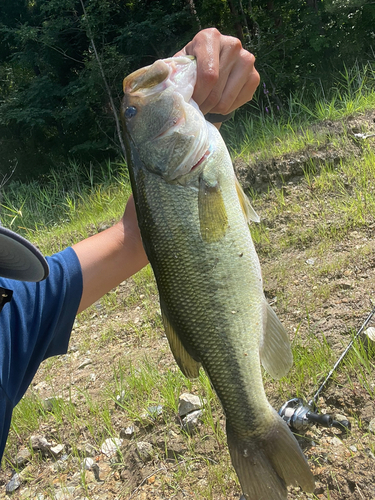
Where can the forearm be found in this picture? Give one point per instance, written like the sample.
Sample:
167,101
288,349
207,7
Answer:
108,258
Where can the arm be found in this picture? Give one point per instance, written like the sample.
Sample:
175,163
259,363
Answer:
110,257
227,78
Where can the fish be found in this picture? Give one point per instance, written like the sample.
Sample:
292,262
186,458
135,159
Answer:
194,219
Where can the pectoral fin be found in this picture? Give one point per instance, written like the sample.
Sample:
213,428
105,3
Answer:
213,217
188,365
275,351
247,209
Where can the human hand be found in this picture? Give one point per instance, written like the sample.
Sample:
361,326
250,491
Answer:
226,77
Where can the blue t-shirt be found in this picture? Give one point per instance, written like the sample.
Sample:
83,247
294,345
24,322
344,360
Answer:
35,325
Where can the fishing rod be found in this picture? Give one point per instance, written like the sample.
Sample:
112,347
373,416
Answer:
300,416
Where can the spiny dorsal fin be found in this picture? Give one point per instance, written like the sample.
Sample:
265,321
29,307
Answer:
248,211
188,365
213,217
275,351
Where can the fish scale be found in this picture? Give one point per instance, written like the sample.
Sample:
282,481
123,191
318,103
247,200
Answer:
193,218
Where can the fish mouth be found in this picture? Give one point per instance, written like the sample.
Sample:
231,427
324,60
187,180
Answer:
186,126
177,72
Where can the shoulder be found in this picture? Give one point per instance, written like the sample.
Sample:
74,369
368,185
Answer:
40,305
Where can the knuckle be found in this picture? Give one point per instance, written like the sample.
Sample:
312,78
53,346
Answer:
236,44
213,32
248,58
211,76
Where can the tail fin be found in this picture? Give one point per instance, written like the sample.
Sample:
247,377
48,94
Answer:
267,465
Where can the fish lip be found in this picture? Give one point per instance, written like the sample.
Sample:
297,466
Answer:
176,66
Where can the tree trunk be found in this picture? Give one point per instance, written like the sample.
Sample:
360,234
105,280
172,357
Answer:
193,12
236,17
113,107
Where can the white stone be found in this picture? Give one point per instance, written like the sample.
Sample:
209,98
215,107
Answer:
88,463
188,403
110,446
84,363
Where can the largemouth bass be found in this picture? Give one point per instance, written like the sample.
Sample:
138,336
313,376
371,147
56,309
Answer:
193,217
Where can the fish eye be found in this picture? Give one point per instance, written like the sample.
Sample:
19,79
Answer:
130,112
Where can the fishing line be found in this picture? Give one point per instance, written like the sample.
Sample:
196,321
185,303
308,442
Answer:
300,416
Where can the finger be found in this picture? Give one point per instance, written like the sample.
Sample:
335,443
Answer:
236,88
205,46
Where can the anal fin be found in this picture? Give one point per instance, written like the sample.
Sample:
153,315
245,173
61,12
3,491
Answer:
188,365
275,350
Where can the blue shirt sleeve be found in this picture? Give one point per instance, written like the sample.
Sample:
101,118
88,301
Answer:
35,325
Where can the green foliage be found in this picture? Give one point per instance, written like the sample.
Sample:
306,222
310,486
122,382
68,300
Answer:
54,105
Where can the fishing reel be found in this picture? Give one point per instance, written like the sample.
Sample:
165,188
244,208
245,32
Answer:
300,416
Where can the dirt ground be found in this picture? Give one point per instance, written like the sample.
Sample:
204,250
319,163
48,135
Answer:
343,463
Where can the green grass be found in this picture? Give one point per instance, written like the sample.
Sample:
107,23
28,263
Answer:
331,206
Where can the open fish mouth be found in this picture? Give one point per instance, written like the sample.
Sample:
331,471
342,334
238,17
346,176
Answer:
177,72
185,128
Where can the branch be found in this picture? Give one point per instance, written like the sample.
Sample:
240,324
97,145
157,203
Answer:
117,121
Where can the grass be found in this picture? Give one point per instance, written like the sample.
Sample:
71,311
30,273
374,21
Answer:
332,207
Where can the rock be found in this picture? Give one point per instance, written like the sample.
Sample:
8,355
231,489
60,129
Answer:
86,450
311,262
340,417
104,470
26,474
84,363
155,411
13,484
57,450
50,403
176,451
335,441
150,415
371,425
368,413
87,463
370,333
346,285
353,448
40,443
59,466
145,450
188,403
120,398
110,446
191,422
128,433
22,457
28,493
65,494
